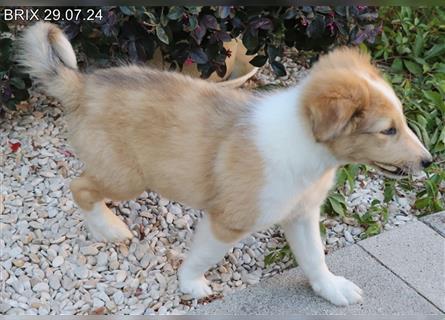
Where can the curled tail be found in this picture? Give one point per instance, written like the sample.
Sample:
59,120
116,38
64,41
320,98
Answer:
49,58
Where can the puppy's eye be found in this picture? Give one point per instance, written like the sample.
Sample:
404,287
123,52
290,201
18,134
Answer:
389,132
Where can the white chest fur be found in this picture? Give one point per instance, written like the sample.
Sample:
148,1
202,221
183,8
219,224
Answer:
298,171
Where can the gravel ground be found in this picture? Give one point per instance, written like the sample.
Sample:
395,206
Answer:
48,265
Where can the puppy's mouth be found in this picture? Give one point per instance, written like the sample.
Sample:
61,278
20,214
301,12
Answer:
390,170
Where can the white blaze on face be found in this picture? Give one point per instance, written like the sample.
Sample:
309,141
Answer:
416,140
386,90
389,93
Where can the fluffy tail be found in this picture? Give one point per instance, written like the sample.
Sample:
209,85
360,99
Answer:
49,58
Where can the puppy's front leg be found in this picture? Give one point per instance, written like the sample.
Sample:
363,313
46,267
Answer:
303,235
206,251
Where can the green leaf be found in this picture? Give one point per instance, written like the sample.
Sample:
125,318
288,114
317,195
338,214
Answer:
413,67
3,26
128,10
397,65
161,34
152,17
435,97
435,51
174,13
336,206
269,259
194,9
164,20
422,203
389,190
18,83
431,188
258,61
193,23
278,68
373,229
322,229
250,41
418,45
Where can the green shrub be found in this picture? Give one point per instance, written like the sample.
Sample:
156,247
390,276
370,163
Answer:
14,84
412,47
196,34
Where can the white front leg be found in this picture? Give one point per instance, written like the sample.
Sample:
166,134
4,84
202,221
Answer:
206,251
303,235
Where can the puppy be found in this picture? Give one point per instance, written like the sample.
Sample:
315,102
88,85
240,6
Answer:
250,160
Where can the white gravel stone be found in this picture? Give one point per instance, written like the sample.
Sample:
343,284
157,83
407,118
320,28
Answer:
101,259
89,251
348,236
58,261
81,272
121,275
118,297
41,286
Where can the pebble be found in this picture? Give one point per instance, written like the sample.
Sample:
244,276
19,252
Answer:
81,272
101,259
54,282
41,286
89,251
338,228
356,231
180,223
246,258
57,261
18,263
348,236
118,297
331,240
120,275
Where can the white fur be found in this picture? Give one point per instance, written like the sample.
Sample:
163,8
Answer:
39,55
206,251
417,141
293,160
386,90
104,225
304,239
299,173
389,93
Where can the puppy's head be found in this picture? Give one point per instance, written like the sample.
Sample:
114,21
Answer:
356,114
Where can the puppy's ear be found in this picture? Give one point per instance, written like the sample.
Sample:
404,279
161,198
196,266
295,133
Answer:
332,101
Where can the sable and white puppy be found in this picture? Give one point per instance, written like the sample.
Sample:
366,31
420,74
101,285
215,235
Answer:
249,160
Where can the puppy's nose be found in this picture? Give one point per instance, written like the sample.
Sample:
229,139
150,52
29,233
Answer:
426,163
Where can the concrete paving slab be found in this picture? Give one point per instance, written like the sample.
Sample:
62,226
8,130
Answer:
416,253
436,221
289,293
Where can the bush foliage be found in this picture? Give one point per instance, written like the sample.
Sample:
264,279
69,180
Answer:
196,34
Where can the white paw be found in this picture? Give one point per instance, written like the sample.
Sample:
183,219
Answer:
337,290
105,226
198,288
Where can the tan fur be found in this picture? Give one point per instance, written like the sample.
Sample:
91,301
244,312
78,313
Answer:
192,141
348,114
142,129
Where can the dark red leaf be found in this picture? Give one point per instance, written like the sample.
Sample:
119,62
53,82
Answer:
199,56
199,33
262,23
15,146
209,22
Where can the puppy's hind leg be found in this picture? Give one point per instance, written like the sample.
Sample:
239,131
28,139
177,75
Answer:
206,251
101,222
